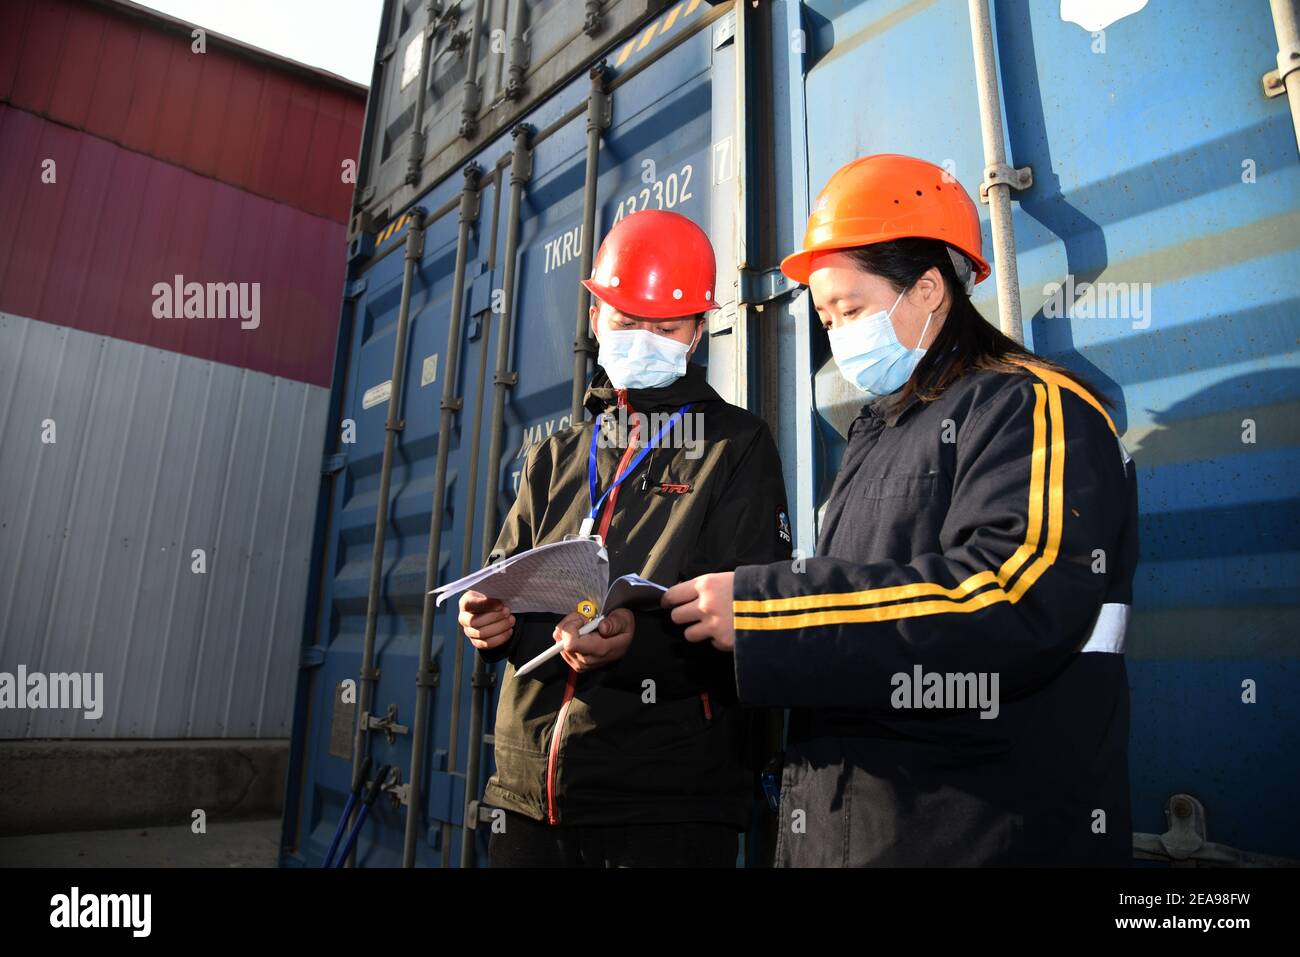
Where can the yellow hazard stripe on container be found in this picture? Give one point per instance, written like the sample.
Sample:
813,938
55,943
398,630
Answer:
390,230
682,10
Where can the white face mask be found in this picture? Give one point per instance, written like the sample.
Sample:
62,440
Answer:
641,359
869,354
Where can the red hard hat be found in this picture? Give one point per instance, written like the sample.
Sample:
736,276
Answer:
655,264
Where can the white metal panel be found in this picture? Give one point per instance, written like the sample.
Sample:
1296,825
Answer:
156,454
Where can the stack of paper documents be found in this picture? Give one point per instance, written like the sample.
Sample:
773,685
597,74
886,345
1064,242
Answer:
555,578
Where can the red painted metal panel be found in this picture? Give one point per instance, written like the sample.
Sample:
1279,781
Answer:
87,250
243,117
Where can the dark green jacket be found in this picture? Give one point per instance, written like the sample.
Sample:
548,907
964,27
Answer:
657,736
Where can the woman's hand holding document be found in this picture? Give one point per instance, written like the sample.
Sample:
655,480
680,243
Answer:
565,578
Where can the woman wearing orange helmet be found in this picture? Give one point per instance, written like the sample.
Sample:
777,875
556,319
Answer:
953,655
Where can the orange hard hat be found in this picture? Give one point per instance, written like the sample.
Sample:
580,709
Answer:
875,199
655,264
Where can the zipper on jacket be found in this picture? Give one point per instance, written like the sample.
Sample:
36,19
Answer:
553,759
571,684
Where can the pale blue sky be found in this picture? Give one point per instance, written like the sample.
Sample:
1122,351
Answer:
334,35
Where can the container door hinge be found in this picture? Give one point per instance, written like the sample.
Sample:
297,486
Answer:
398,793
764,285
600,106
1184,844
331,464
355,289
1288,61
415,244
1003,175
387,724
592,21
312,656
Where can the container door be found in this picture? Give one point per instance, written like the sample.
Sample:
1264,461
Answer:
1164,179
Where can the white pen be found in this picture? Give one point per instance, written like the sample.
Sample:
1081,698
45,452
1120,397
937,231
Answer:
551,652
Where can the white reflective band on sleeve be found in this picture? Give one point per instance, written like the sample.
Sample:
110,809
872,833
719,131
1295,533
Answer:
1108,633
1124,456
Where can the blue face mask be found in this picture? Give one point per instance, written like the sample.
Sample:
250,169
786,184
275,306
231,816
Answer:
641,359
869,354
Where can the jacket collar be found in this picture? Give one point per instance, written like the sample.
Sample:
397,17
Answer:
888,409
692,387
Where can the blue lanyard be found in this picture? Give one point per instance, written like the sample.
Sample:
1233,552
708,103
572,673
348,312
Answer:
618,480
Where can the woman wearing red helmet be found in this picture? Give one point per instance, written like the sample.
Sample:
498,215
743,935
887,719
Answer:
953,655
633,750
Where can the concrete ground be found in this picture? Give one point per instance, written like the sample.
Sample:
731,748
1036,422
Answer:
253,843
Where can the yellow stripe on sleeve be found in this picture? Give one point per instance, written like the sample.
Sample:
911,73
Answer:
1044,474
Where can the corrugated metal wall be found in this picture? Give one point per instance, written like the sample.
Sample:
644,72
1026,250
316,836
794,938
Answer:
155,455
86,251
169,435
238,115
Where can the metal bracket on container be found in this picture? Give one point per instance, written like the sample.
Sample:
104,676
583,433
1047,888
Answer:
397,426
416,158
483,679
520,51
1288,61
313,656
592,21
361,244
521,161
333,463
427,679
354,289
600,107
999,174
415,235
397,792
505,378
1185,844
455,405
764,285
469,196
474,814
387,724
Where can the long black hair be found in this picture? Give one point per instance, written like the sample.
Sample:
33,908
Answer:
966,341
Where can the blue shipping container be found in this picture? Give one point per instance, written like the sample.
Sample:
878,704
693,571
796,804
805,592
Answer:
1162,176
